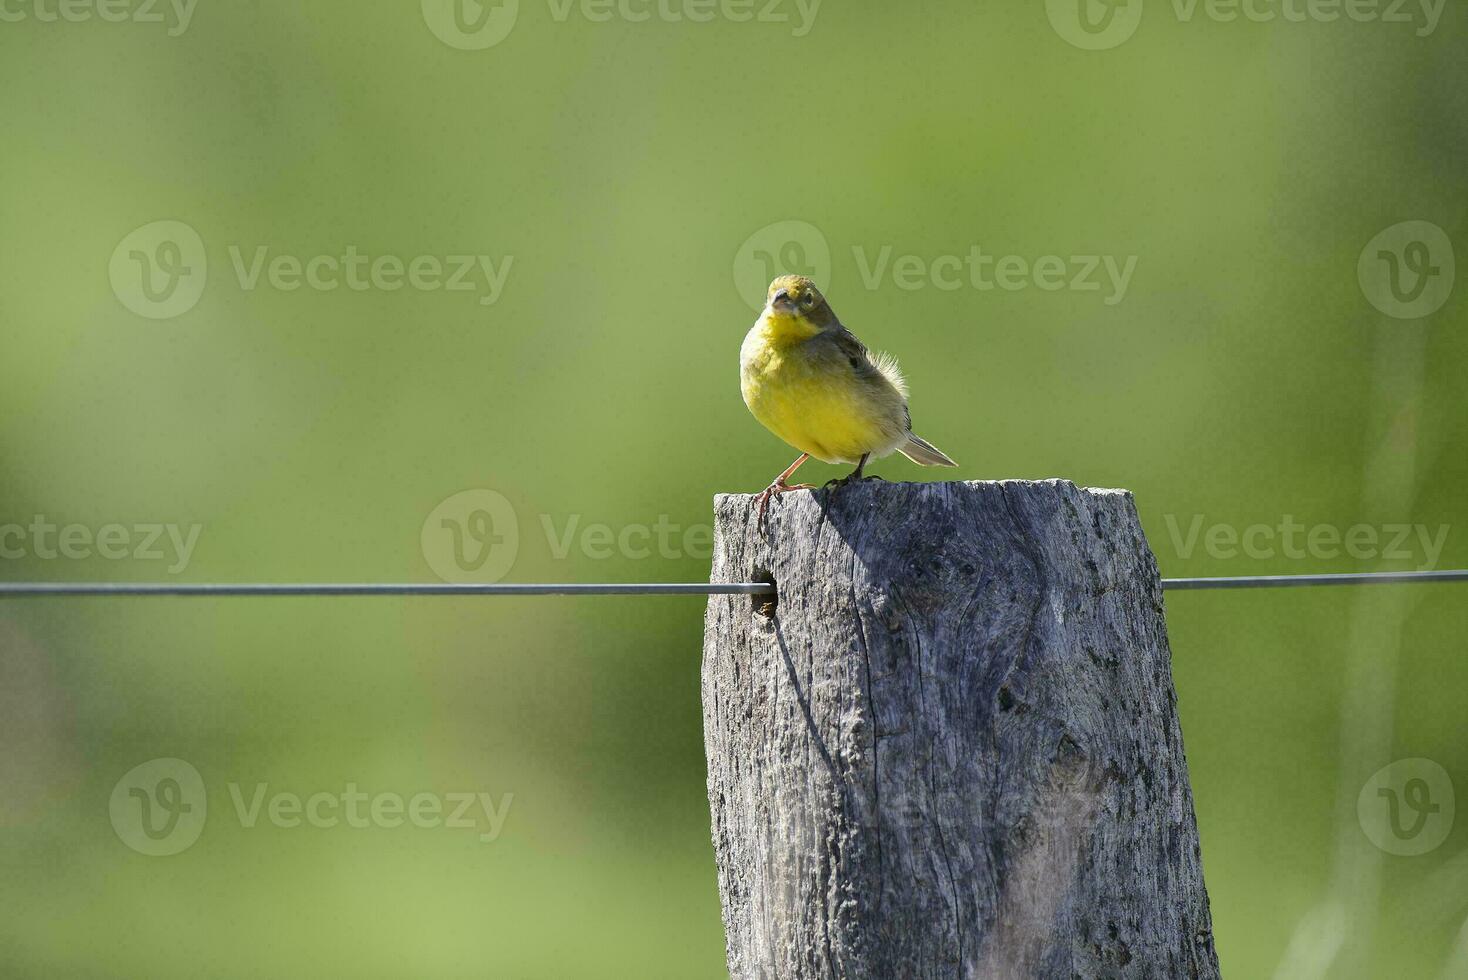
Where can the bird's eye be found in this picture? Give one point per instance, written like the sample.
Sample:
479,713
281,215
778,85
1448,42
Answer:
809,299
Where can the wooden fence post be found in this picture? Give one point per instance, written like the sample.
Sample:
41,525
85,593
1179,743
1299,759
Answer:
950,746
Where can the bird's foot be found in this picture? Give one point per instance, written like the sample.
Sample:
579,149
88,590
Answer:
842,481
778,487
854,476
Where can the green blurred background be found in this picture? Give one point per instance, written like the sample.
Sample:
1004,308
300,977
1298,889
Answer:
633,170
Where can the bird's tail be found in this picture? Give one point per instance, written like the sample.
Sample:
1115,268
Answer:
923,453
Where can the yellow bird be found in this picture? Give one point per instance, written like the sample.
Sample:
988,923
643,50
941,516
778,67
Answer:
813,384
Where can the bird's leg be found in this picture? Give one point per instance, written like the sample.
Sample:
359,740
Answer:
780,486
854,476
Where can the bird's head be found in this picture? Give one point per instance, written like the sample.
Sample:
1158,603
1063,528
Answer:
797,298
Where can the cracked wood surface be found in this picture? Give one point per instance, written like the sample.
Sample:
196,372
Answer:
950,748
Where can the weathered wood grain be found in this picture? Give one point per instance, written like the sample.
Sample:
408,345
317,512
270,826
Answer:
951,747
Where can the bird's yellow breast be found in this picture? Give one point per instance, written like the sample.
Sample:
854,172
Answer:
817,404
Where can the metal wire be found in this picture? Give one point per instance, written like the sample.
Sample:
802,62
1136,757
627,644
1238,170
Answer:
373,588
1285,581
41,589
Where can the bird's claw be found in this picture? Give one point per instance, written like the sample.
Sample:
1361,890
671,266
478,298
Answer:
763,499
842,481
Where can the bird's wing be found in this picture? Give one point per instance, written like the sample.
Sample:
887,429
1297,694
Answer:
879,367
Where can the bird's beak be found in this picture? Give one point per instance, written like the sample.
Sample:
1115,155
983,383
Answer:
781,301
